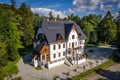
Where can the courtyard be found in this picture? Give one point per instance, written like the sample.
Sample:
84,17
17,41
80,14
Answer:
97,56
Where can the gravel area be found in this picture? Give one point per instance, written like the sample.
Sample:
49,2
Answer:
28,72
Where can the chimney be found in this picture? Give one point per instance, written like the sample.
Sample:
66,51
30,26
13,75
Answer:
69,20
55,20
47,19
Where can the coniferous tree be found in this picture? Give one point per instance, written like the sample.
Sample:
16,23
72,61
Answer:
51,15
58,17
107,29
117,21
26,24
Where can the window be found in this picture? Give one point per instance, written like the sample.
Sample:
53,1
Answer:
73,36
58,46
59,59
76,43
53,47
80,42
69,45
80,47
59,55
63,58
63,53
48,57
63,45
54,55
43,57
55,61
45,50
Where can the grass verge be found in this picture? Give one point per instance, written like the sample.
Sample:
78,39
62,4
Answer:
93,70
17,78
38,68
9,69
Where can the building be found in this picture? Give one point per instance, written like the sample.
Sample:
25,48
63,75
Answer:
58,42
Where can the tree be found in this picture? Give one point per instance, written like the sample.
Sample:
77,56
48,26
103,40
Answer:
74,18
65,18
13,6
51,16
117,22
71,16
9,34
93,37
107,29
108,15
89,26
58,17
26,25
2,46
13,3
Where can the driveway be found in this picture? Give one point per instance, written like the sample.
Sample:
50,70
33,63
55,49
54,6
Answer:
28,72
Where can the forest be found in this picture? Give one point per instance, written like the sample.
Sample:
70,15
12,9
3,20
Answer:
18,26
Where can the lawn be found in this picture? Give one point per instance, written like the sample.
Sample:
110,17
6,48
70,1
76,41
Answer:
93,70
38,68
9,69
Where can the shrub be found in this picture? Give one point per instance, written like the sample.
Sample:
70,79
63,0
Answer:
86,55
38,68
13,57
91,50
3,62
114,57
17,78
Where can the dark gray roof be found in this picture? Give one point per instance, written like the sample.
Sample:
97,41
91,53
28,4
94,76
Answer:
51,28
68,28
80,31
40,46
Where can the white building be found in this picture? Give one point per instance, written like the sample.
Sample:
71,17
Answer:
58,42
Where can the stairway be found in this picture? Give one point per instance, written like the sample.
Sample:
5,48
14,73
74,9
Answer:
69,61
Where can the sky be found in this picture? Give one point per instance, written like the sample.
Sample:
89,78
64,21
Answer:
67,7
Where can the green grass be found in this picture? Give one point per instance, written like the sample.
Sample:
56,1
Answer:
93,70
9,69
102,44
17,78
90,45
38,68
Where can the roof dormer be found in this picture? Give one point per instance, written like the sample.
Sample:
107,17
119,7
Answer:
59,38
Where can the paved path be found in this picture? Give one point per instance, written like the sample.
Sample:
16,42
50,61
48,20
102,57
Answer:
112,73
27,72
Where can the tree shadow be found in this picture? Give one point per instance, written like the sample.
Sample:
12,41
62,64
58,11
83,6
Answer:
26,54
108,74
100,52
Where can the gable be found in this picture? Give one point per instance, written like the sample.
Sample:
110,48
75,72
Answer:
73,27
44,50
51,28
59,38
